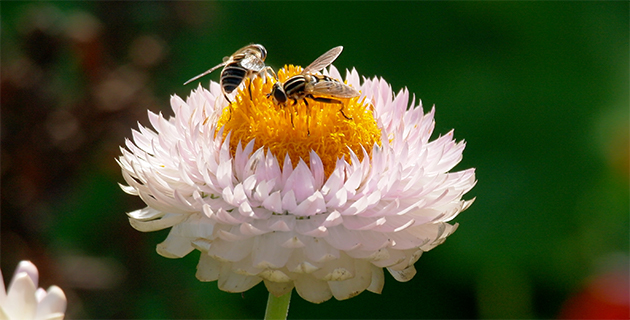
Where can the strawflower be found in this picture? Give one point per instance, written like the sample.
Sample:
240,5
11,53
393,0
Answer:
297,197
25,301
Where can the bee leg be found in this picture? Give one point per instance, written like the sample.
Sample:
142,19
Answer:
269,70
328,100
308,117
294,103
345,116
249,87
226,98
230,105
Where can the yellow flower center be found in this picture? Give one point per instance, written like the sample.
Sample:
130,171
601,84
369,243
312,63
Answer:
296,129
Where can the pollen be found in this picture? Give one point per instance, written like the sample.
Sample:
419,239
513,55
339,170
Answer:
329,129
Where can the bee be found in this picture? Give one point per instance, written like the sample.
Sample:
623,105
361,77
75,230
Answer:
246,62
317,87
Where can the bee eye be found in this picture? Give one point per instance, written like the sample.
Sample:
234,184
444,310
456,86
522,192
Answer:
278,93
263,52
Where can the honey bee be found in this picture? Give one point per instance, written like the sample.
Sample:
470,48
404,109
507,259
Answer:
317,87
246,62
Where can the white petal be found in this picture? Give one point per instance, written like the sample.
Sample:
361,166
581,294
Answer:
29,269
145,214
231,251
298,263
347,289
21,301
274,275
318,250
246,268
403,275
166,221
232,282
128,189
337,270
378,280
175,246
311,289
52,306
208,269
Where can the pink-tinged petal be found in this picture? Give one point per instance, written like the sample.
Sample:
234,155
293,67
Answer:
293,243
335,181
333,219
249,230
317,168
289,203
319,251
338,199
274,202
311,206
360,223
300,182
333,72
281,224
231,251
352,77
268,252
232,235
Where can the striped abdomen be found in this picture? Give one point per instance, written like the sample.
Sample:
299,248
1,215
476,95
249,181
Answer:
232,76
295,87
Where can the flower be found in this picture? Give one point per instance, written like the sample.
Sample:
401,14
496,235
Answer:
297,196
25,301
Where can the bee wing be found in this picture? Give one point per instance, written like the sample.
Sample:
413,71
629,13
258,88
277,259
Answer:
205,73
324,60
334,89
252,62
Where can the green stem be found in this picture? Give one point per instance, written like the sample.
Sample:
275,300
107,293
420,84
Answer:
277,307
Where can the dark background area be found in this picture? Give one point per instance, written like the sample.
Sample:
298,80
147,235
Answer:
539,90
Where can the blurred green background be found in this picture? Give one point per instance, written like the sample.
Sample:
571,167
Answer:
539,90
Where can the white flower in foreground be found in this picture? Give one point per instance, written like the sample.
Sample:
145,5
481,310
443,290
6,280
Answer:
24,301
323,210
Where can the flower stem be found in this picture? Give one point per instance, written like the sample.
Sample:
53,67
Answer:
277,307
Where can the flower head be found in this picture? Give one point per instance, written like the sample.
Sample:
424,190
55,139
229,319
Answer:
25,301
317,196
